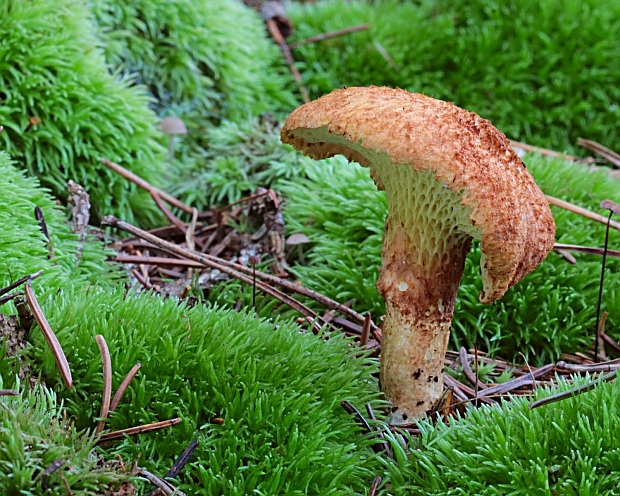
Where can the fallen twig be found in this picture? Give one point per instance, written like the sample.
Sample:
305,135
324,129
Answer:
612,157
140,429
581,211
243,273
141,183
572,392
274,30
162,485
175,470
550,153
329,35
586,249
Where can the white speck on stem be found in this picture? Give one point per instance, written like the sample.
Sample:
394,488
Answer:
403,286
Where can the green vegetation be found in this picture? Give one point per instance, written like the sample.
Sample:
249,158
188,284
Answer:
62,111
201,61
549,312
35,434
570,447
24,247
241,157
276,388
278,391
540,71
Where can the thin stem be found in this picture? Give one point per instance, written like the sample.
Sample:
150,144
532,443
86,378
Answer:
600,289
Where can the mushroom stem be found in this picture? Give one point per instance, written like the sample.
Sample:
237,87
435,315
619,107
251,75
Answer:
416,330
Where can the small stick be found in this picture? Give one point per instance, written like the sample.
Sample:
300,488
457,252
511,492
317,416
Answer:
9,297
581,211
468,373
545,151
148,260
374,487
140,429
365,330
609,155
604,204
162,485
234,270
107,381
167,212
572,392
124,385
50,337
8,392
586,249
244,200
329,35
141,183
274,30
610,342
599,367
385,446
351,410
184,457
142,280
19,282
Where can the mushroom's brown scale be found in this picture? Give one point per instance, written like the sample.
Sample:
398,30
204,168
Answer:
449,177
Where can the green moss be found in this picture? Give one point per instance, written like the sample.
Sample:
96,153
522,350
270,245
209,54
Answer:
551,311
201,61
23,246
505,61
35,434
241,156
62,111
278,391
570,447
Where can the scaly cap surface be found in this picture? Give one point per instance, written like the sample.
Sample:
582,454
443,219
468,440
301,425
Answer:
465,153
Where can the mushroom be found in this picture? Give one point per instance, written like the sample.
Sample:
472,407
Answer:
172,126
449,177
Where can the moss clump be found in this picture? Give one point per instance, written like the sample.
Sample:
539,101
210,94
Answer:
278,391
35,434
62,111
505,61
241,156
24,247
570,447
201,61
551,311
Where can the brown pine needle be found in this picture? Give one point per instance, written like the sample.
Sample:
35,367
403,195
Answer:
107,381
50,337
582,211
572,392
8,392
140,429
141,183
124,385
19,282
586,249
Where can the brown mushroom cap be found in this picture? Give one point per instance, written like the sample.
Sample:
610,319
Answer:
502,205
